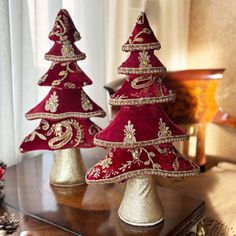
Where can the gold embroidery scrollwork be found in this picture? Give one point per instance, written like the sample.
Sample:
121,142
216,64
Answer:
140,39
64,133
63,73
33,135
142,82
67,49
62,29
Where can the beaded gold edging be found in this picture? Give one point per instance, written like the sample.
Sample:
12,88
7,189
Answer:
103,143
152,70
142,172
44,115
141,101
81,56
140,47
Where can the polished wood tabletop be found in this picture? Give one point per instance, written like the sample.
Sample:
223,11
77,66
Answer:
86,210
32,224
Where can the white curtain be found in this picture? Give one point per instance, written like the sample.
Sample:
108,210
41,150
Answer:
169,20
24,27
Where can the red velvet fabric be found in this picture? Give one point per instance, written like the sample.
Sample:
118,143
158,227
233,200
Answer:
141,60
2,172
58,102
147,122
142,33
61,134
65,75
121,164
146,86
65,51
64,28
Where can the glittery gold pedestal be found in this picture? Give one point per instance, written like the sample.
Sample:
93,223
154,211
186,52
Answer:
141,205
68,169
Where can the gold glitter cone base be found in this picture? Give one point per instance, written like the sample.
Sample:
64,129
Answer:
141,205
68,169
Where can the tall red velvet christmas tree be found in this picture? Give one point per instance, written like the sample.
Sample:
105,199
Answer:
141,135
66,110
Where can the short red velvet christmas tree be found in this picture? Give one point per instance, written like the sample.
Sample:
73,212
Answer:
65,112
141,135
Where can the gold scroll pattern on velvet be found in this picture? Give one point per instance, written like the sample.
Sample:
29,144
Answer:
62,131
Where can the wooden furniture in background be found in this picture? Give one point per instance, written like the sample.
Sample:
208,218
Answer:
86,210
195,102
223,118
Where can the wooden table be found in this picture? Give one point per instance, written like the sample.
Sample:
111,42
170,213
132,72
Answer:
85,210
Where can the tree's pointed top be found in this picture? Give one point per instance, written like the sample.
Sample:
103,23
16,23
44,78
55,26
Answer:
64,28
142,37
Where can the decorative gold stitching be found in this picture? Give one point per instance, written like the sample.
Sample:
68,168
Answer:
144,60
141,47
44,115
104,143
61,138
69,85
63,73
52,103
55,58
129,133
132,174
130,70
85,102
164,131
67,50
142,82
141,101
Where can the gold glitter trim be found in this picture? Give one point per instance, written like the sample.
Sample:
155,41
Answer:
81,56
130,70
140,47
141,101
103,143
44,115
136,173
